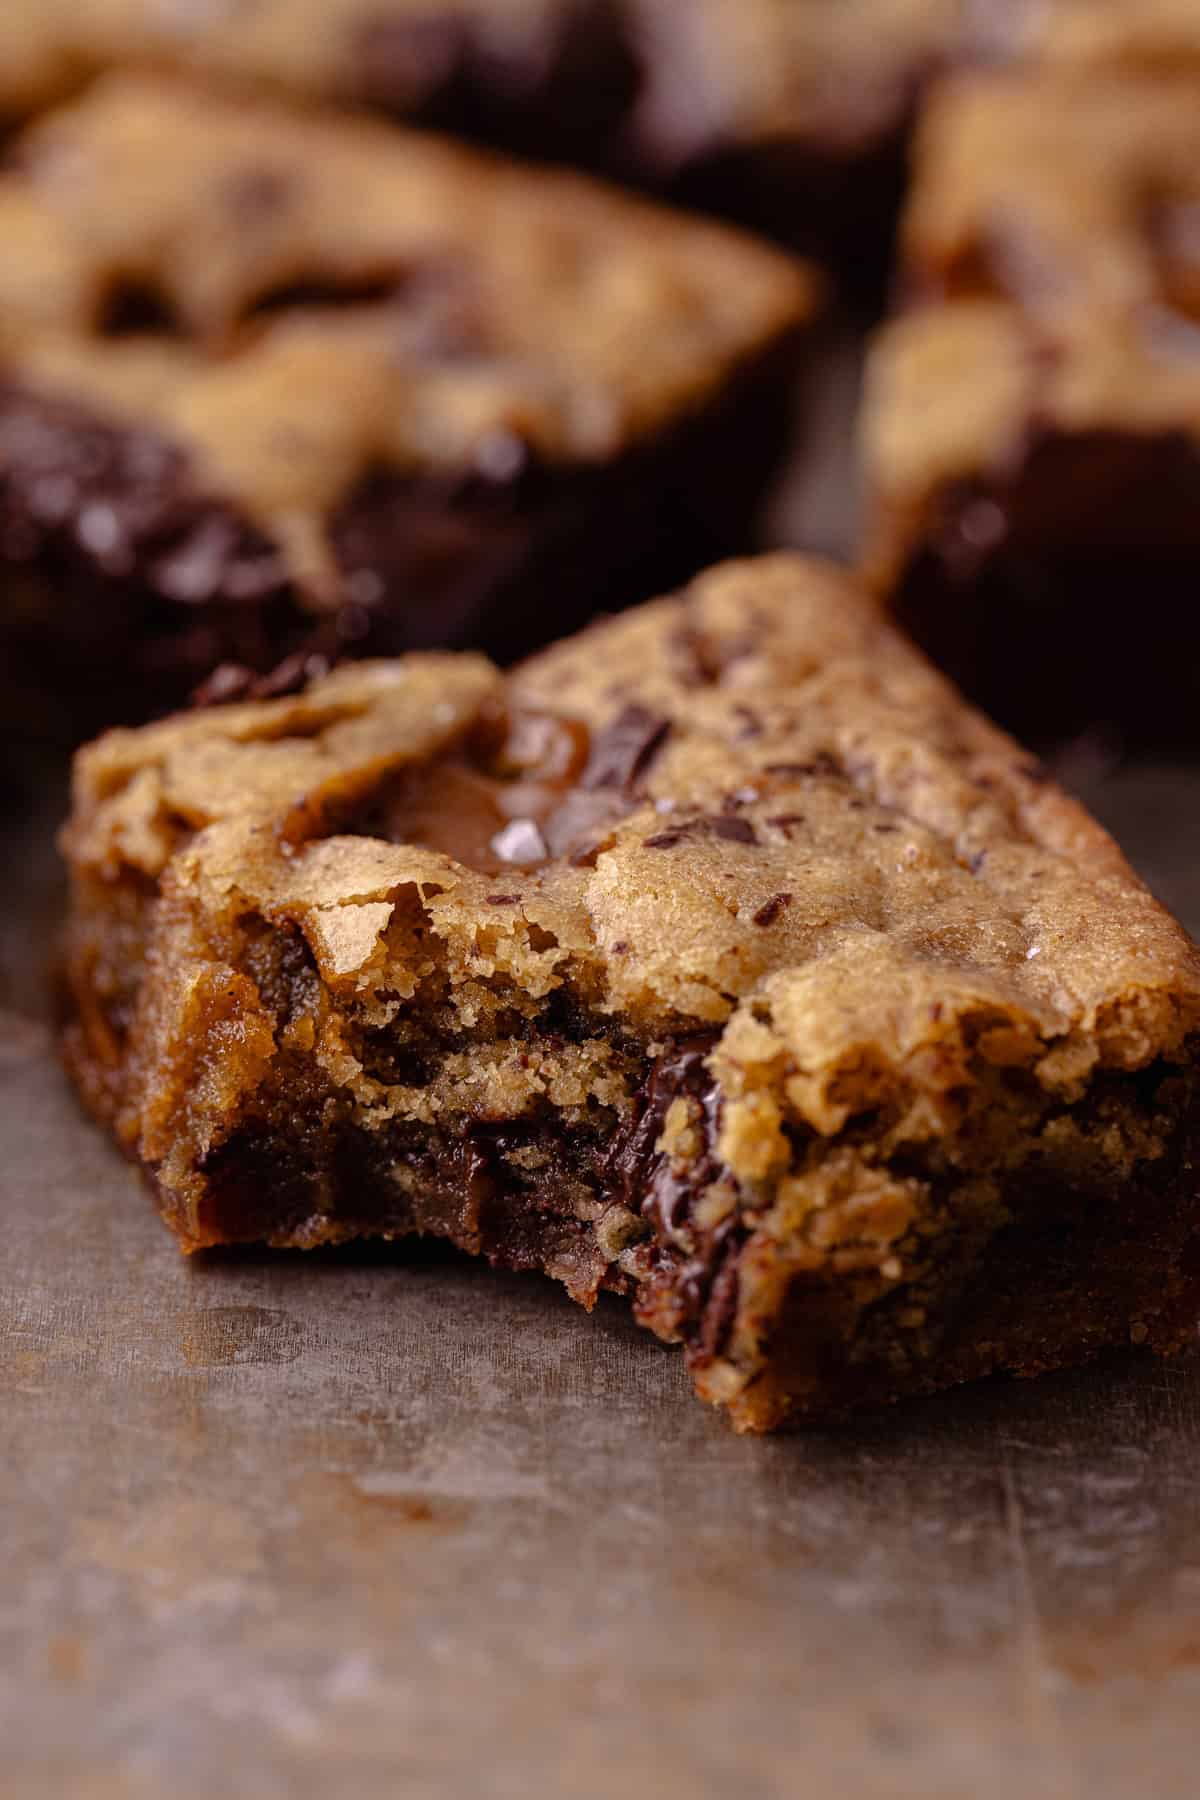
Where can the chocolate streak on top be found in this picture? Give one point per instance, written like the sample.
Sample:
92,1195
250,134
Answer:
624,750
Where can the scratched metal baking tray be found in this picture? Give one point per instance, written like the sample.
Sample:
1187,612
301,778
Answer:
287,1526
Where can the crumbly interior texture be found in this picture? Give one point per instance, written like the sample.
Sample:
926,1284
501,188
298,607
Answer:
719,956
1051,260
296,302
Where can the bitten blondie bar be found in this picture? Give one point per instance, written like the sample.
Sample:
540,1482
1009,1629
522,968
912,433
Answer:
273,380
1032,423
721,957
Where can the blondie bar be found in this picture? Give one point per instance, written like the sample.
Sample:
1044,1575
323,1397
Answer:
720,957
274,381
1032,422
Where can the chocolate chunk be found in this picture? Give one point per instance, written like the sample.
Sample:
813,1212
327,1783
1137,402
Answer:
228,682
820,764
135,308
736,831
705,1284
634,1156
581,825
208,564
733,829
771,909
234,681
624,750
292,675
717,1280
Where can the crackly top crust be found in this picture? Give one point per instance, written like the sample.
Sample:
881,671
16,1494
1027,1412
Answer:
479,305
837,73
1051,251
820,852
1087,34
321,48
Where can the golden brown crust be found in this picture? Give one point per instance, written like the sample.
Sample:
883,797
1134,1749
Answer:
992,860
910,955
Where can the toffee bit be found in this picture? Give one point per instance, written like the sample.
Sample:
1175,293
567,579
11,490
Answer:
624,750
